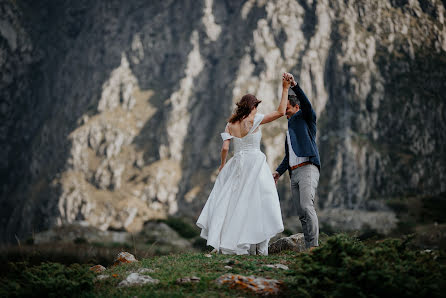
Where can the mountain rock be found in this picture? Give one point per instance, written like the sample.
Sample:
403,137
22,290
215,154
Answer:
111,111
254,284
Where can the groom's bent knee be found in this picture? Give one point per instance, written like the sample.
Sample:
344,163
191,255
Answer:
309,210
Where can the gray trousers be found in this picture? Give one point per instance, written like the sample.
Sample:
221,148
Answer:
304,181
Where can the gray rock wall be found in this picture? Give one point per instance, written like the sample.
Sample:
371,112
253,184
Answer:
112,111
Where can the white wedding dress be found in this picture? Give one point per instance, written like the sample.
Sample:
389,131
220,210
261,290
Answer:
243,208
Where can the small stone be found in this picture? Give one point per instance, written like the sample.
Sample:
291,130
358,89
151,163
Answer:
278,266
124,257
135,279
228,267
102,276
185,280
258,285
97,268
229,262
145,270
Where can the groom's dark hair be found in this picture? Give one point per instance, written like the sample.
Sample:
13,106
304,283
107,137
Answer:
293,100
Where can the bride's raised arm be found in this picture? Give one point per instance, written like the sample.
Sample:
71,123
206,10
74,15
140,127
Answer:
283,102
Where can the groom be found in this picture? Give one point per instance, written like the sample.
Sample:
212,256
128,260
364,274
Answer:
302,160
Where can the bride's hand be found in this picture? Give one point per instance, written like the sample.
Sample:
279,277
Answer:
276,176
220,168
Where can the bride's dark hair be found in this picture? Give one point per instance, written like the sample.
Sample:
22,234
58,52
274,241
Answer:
244,107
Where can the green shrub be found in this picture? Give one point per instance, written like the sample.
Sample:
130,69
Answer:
344,266
29,241
434,208
201,244
287,232
80,240
182,227
47,280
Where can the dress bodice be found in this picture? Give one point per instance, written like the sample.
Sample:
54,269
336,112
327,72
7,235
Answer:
249,142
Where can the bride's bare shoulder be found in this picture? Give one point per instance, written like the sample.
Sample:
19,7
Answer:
247,123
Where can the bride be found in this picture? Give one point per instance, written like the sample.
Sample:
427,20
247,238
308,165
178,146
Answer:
243,212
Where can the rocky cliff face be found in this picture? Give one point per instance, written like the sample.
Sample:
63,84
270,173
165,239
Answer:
112,111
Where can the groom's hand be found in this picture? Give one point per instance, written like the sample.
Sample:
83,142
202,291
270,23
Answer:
276,176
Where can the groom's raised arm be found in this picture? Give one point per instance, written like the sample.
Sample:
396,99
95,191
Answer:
305,105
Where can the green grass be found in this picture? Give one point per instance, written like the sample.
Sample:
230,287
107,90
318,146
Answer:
169,268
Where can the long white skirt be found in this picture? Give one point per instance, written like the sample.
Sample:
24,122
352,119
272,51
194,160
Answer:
243,208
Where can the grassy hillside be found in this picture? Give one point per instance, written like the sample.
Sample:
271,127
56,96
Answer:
341,266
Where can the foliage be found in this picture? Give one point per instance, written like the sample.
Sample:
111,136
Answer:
421,209
183,228
344,266
201,244
47,279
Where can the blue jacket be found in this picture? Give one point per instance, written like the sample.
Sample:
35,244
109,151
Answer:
302,130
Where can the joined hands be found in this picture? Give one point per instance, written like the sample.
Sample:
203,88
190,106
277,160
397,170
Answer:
289,78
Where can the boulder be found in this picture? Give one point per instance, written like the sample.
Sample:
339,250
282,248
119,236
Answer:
124,257
80,233
161,234
102,276
136,279
346,220
294,242
257,285
145,270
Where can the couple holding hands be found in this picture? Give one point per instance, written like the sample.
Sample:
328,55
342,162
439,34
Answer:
243,211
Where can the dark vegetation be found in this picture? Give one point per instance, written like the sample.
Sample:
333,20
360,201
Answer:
364,263
422,216
345,266
342,266
47,280
185,229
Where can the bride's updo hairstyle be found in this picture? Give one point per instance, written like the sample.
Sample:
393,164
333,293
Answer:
244,107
